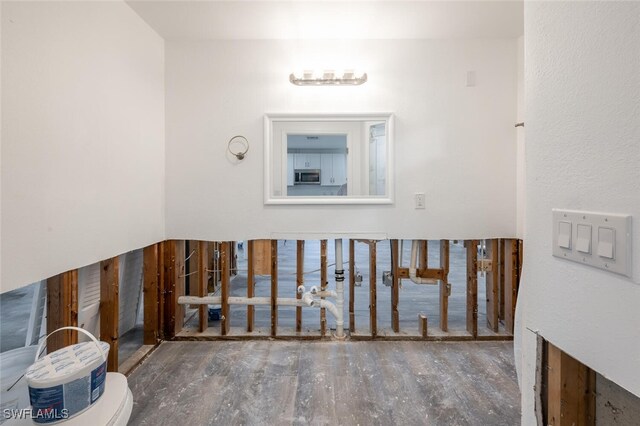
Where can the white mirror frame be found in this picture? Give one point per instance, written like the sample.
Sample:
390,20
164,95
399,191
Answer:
271,118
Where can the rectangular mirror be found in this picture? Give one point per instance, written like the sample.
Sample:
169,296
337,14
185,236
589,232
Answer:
328,158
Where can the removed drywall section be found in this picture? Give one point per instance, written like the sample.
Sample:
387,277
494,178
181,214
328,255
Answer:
614,405
456,144
583,126
83,136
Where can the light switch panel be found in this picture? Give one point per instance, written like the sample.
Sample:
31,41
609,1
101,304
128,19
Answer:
583,242
601,240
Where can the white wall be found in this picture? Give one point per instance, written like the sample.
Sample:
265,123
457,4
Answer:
583,152
82,136
455,143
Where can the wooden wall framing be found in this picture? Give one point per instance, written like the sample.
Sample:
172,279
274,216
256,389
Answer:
569,389
164,282
152,287
62,309
110,309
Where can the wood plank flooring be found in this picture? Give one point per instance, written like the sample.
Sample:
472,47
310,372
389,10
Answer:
327,383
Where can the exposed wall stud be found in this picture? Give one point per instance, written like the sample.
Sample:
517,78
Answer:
511,269
352,286
274,288
202,281
225,262
110,309
323,285
151,290
422,325
373,321
251,284
472,287
492,289
571,390
62,309
395,287
299,280
174,270
501,314
424,254
444,285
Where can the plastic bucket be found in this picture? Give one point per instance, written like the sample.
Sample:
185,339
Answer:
13,365
66,382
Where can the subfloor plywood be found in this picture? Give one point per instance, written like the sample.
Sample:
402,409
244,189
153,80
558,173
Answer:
330,382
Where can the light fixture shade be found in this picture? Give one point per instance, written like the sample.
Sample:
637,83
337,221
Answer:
328,78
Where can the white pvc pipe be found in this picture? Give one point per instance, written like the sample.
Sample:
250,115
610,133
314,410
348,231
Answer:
339,315
307,299
195,300
412,267
233,300
335,312
325,293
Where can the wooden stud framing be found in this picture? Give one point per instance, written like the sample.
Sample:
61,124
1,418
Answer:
274,288
192,251
492,290
501,313
151,290
444,285
570,390
110,309
225,265
472,287
422,325
395,287
203,281
373,321
62,309
234,258
437,274
262,257
174,279
251,284
163,305
520,257
216,267
299,280
323,285
511,269
424,254
352,286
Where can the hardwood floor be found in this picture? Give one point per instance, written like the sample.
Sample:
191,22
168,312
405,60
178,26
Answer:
336,383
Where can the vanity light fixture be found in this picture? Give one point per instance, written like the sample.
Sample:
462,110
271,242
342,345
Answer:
328,78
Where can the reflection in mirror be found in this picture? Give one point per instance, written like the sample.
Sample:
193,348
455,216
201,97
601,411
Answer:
319,164
337,159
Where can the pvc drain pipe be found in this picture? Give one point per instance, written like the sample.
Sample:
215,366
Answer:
339,290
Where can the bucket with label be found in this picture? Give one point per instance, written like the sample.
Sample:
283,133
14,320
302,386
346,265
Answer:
66,382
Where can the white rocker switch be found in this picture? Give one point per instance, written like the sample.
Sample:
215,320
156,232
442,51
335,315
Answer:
606,242
564,235
583,242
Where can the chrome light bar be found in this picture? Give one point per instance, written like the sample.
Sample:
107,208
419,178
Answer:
328,78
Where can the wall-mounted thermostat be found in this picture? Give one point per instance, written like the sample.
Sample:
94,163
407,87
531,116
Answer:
602,240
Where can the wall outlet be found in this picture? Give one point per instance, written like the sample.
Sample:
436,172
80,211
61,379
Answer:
419,200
